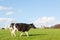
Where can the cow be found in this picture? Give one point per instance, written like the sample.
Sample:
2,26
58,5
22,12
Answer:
22,27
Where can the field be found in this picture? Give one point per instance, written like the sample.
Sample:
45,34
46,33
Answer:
34,34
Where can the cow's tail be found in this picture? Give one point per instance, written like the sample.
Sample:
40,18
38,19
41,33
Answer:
14,25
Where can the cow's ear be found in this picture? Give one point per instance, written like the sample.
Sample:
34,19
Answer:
31,24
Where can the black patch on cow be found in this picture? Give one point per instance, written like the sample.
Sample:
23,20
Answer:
22,26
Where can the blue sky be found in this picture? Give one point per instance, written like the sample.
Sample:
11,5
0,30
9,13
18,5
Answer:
28,11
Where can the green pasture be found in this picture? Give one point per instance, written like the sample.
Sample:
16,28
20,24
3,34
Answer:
34,34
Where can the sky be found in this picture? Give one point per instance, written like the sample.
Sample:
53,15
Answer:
45,12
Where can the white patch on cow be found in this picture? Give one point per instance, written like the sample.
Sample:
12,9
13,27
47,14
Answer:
13,30
27,34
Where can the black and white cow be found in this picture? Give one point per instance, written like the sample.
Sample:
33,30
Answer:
22,27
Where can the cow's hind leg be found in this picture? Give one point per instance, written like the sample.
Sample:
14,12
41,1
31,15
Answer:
13,33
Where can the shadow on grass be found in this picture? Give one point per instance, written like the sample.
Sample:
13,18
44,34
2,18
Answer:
36,34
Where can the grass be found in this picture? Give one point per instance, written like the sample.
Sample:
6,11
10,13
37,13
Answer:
34,34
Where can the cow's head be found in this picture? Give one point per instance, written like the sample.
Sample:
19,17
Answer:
32,25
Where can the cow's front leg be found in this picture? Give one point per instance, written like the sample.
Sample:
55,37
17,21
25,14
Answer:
27,34
21,34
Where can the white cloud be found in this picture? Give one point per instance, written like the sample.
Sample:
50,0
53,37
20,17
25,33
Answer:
6,19
10,13
5,8
44,21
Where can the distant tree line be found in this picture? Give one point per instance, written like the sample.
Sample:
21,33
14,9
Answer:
54,26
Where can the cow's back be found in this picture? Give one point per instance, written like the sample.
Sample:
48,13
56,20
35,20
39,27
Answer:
22,27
